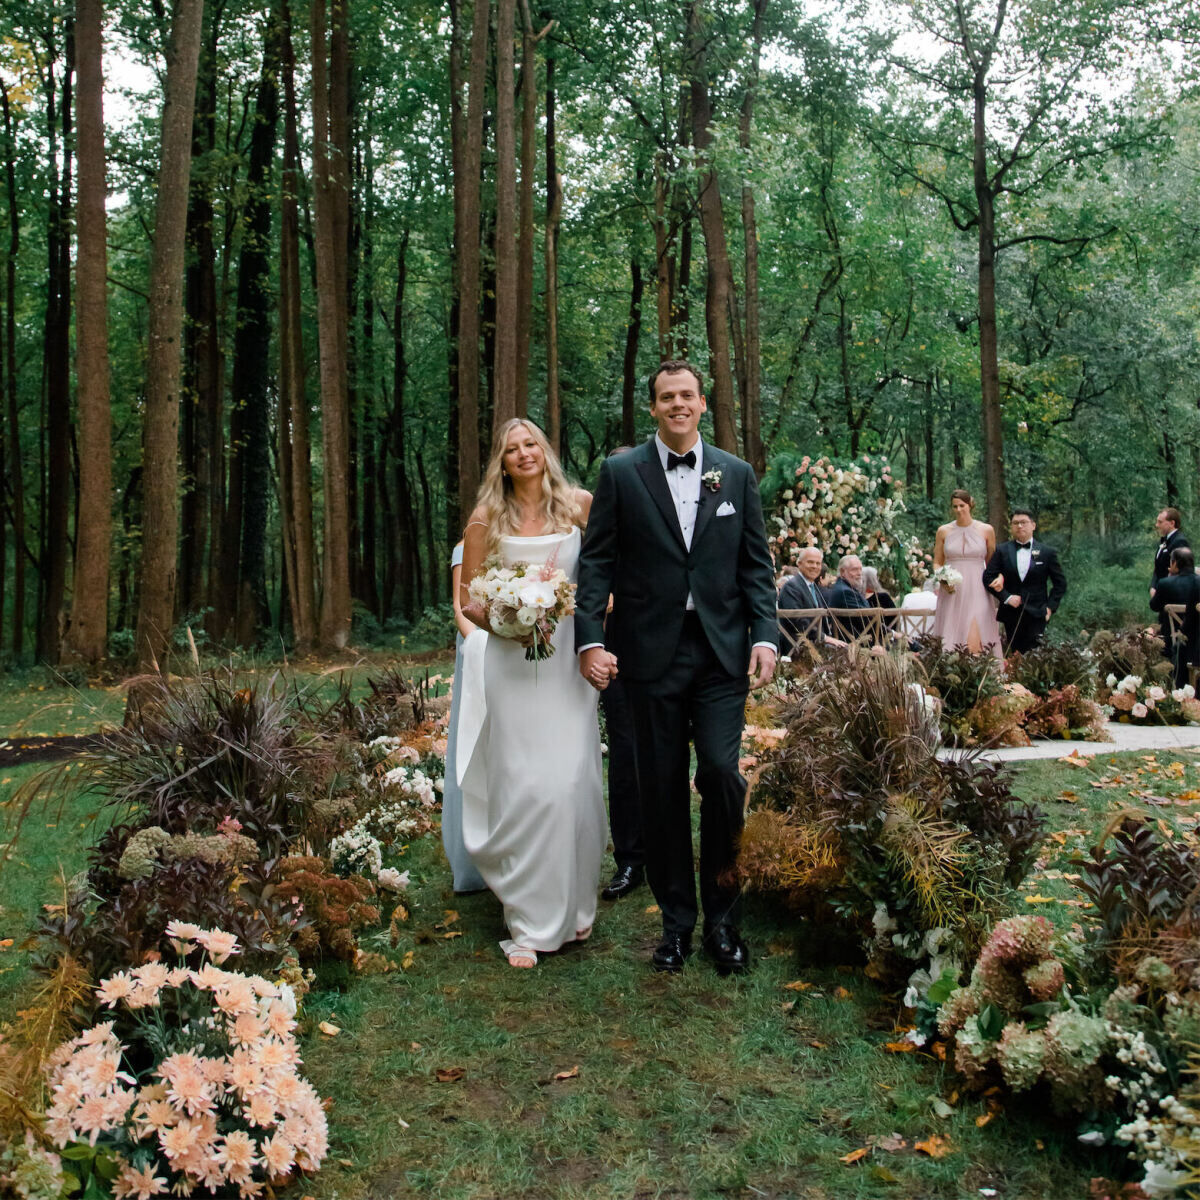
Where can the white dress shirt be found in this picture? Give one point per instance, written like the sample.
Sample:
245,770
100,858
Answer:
684,485
1024,558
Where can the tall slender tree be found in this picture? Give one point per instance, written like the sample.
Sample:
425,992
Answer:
160,428
87,632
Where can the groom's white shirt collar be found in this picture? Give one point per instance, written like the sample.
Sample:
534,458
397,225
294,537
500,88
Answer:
663,450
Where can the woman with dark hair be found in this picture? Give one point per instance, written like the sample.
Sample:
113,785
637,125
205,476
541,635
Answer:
966,615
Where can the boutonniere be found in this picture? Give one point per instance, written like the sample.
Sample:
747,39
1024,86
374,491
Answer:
712,480
1035,554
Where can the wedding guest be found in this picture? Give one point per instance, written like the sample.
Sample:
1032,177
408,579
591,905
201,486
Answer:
965,615
463,871
676,535
1170,539
878,596
529,740
848,593
1181,586
1026,575
802,591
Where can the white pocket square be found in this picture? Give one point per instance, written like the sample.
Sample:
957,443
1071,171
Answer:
726,510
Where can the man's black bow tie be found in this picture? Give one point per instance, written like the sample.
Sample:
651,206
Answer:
675,460
1024,545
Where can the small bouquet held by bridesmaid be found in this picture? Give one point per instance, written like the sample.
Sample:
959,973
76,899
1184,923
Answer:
947,578
524,600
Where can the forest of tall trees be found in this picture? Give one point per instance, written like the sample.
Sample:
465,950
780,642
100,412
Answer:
273,272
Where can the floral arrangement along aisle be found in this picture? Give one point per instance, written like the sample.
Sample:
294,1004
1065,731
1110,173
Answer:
844,506
192,1088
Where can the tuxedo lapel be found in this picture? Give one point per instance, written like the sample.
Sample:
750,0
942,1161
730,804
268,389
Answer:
650,469
708,500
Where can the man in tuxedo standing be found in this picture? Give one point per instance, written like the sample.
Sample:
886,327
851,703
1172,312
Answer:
1021,572
1181,586
1170,539
676,535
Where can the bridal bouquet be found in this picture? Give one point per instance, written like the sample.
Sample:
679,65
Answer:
947,578
523,600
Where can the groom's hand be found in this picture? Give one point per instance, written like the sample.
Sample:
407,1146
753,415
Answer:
598,667
762,666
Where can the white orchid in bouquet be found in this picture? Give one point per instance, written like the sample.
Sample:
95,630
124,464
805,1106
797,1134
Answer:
524,601
848,507
193,1087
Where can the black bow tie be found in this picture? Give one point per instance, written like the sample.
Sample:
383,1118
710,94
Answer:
675,460
1024,545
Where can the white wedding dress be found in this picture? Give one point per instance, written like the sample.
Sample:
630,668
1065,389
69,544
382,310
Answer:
529,760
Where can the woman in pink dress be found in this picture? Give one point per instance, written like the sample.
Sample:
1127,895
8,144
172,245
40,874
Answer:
966,616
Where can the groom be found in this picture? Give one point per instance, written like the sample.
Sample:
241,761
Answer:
1026,575
676,534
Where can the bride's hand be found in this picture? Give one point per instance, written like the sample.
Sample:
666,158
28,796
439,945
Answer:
477,615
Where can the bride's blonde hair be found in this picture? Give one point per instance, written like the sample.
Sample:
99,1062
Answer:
496,497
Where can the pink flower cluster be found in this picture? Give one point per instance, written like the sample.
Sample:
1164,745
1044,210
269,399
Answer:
226,1107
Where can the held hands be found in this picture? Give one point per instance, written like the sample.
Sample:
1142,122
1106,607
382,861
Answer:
762,666
598,667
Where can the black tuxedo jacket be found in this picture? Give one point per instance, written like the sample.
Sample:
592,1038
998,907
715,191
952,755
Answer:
1162,556
633,548
1185,590
1044,575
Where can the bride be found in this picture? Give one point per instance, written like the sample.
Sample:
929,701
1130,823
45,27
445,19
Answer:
528,739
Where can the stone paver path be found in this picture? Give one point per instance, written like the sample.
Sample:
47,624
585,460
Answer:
1124,737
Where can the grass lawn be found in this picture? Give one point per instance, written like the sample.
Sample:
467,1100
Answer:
592,1076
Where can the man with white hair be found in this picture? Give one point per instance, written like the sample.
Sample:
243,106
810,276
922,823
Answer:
848,593
802,591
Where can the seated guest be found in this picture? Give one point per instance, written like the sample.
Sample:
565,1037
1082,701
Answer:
785,573
1181,586
878,595
848,593
802,591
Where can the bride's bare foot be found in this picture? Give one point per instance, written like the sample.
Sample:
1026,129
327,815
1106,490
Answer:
522,958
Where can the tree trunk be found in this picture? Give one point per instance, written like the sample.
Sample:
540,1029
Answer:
989,366
16,475
553,216
751,377
56,371
87,633
504,396
930,481
525,222
454,521
396,441
331,199
468,267
662,265
633,333
293,400
203,571
250,391
718,291
156,593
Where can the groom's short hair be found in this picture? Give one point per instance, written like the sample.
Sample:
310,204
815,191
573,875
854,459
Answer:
669,367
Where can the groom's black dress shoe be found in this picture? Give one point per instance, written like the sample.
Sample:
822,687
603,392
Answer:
671,953
729,953
623,882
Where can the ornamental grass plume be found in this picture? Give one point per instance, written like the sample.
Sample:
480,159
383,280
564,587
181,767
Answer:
193,1085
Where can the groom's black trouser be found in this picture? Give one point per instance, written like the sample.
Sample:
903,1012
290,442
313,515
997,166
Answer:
624,805
695,700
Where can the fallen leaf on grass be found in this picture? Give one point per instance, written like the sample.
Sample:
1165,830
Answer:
819,1045
652,908
406,961
414,1045
940,1108
450,918
1039,899
573,1073
797,985
883,1175
891,1143
402,1122
787,1006
900,1047
5,943
1069,796
1074,759
449,1074
855,1155
842,993
984,1118
937,1146
329,1029
453,933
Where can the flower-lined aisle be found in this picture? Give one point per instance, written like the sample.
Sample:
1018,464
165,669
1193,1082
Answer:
934,864
255,850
